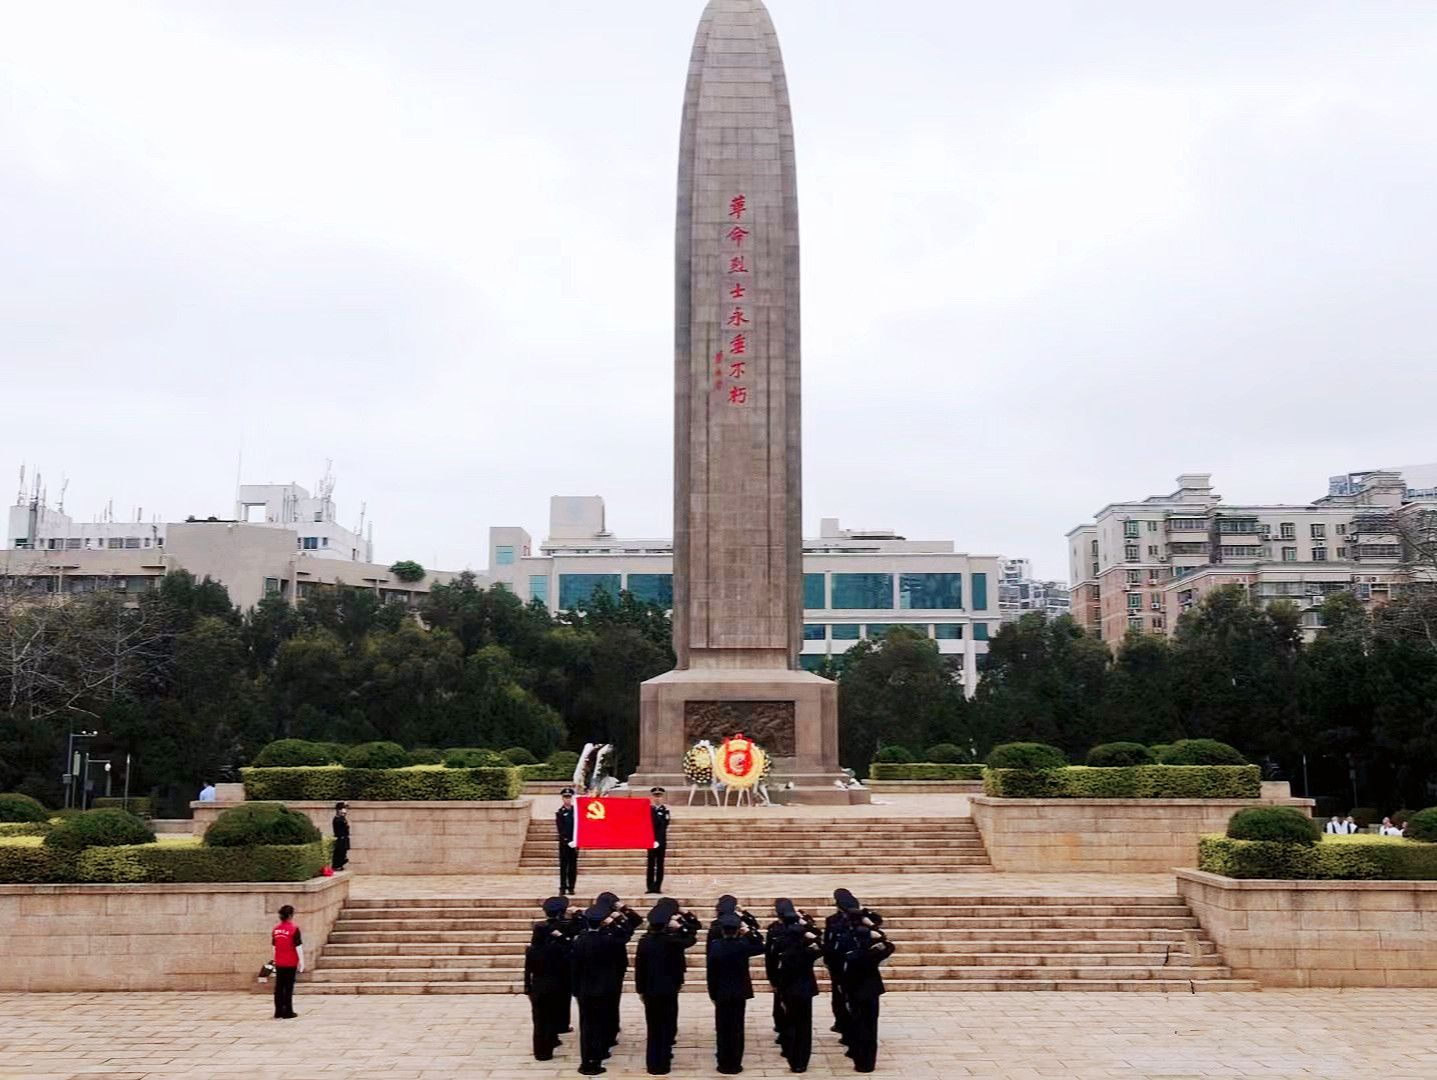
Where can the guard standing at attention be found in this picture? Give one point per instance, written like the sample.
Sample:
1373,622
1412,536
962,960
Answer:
794,985
341,835
597,959
568,853
659,813
730,987
837,928
620,924
547,975
659,966
863,985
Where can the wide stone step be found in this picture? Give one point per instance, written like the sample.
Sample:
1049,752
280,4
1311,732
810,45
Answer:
529,913
1077,922
907,906
1164,986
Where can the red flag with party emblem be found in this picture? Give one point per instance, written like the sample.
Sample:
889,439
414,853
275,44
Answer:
613,824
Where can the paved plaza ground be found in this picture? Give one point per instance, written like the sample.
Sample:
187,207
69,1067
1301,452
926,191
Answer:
1274,1035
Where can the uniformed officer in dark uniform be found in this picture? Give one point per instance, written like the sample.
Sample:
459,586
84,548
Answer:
547,975
659,966
728,905
598,960
730,987
836,929
620,924
340,825
659,813
568,854
863,986
797,948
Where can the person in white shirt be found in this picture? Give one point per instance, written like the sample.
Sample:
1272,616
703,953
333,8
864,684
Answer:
1335,827
208,793
1349,826
1389,829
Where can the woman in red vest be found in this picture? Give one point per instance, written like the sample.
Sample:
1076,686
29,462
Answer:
288,962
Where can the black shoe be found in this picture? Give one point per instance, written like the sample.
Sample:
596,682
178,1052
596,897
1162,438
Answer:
837,1029
596,1071
290,1016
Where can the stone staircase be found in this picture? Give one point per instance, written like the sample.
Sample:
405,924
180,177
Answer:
1103,943
828,846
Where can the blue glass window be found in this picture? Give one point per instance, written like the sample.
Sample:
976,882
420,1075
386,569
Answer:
980,593
811,661
845,632
980,631
924,592
504,555
853,592
813,598
814,631
948,631
575,589
653,589
539,587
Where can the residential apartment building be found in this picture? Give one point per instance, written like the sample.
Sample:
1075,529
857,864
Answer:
857,583
1019,593
281,543
1139,565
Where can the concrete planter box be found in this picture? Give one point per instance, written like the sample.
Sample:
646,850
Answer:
1119,836
1319,933
155,937
420,837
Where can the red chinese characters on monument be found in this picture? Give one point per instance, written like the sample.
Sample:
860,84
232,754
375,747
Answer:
736,316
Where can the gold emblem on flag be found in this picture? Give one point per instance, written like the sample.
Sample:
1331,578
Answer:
595,811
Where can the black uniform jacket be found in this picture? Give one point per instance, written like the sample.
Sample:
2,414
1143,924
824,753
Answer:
728,976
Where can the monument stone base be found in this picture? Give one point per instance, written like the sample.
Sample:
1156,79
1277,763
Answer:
791,714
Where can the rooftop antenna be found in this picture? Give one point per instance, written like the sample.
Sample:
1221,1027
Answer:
64,483
20,492
363,507
326,482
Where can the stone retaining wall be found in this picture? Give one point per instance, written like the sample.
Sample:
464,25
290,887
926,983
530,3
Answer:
1319,933
925,787
420,837
155,937
1120,836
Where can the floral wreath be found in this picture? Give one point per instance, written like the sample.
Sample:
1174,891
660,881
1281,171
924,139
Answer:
740,763
697,767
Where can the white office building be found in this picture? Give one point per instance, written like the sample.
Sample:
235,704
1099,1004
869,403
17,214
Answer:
857,583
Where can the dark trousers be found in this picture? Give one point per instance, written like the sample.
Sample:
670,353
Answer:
341,854
777,1011
863,1034
284,991
611,1015
593,1032
655,876
551,1017
661,1011
840,1001
568,869
728,1034
796,1038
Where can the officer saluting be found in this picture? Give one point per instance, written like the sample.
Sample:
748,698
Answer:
547,975
568,854
795,946
730,987
598,959
659,814
659,976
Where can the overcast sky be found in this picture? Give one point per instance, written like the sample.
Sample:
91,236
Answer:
1054,254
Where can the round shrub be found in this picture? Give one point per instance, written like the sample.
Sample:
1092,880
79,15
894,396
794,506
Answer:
294,753
376,755
1365,816
260,823
1200,752
99,828
894,755
17,807
946,753
563,763
425,755
1399,817
1160,750
1284,824
1115,755
468,757
517,755
1423,825
1026,755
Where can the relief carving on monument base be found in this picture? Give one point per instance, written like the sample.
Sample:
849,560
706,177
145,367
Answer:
768,723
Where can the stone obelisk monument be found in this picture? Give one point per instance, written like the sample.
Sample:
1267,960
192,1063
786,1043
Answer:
738,542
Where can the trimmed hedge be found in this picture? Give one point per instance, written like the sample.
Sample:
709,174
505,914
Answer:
260,824
422,784
139,807
183,861
1423,825
292,753
24,828
470,757
99,828
1337,858
425,755
1117,754
17,807
881,770
1130,782
34,864
1026,755
563,762
895,755
518,755
375,755
1199,752
1281,824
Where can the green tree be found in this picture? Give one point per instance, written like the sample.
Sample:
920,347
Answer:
1138,701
